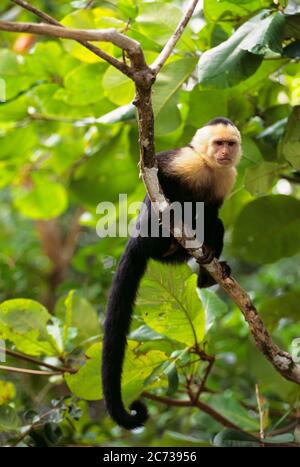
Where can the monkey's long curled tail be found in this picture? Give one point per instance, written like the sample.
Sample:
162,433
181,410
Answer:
119,309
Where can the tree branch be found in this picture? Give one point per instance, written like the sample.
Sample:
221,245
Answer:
169,47
96,50
26,371
36,361
188,403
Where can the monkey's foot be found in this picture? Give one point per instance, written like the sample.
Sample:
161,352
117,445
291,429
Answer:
226,269
207,255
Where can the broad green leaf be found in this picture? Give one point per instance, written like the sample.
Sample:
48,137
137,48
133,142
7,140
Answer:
162,17
218,10
292,26
45,199
137,368
272,310
233,411
7,392
24,322
86,383
268,229
258,79
251,154
234,439
93,183
86,19
78,313
117,87
18,143
290,146
15,110
48,60
239,57
9,420
170,80
206,105
214,307
82,85
12,74
266,35
48,101
260,178
169,118
169,303
292,50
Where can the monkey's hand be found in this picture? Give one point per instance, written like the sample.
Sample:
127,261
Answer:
208,254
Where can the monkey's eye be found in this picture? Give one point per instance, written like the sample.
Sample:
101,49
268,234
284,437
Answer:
219,143
231,143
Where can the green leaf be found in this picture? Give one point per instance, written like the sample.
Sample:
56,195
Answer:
233,411
173,379
82,85
272,310
78,313
239,57
24,322
213,305
9,420
7,392
169,303
12,73
117,87
18,143
169,118
93,182
206,105
261,178
292,26
292,50
233,439
48,61
223,10
290,146
137,368
87,19
86,383
45,199
267,35
170,80
164,17
268,229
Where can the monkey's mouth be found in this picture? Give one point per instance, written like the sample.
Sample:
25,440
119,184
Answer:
224,160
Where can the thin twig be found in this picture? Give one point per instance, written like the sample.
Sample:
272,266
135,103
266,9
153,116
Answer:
13,369
169,47
93,48
188,403
261,412
36,361
201,387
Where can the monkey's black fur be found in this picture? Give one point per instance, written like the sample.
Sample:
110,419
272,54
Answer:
131,269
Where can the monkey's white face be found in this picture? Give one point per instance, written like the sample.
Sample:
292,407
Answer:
223,151
220,145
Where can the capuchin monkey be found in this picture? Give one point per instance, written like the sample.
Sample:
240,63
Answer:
202,171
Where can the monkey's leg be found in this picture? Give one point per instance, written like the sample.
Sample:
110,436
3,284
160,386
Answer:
214,250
